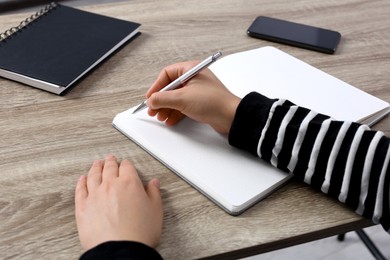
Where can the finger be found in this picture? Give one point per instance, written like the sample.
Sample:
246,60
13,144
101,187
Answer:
153,191
169,74
95,175
163,79
174,118
81,192
155,112
110,170
127,169
152,112
163,114
166,99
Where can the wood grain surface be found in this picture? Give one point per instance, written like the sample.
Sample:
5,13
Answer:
48,141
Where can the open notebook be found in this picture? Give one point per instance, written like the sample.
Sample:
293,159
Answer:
233,179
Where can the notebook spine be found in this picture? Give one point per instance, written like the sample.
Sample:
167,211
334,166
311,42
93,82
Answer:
27,21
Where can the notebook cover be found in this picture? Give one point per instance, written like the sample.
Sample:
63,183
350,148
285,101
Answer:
62,44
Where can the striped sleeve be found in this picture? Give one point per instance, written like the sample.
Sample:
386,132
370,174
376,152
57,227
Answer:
345,160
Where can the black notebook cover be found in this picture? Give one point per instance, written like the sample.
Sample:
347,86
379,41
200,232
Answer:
60,46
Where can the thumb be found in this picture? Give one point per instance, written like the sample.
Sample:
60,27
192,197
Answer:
165,99
81,192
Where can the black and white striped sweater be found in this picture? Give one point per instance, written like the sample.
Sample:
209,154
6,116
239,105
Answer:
345,160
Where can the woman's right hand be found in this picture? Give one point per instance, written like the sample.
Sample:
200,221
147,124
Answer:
203,98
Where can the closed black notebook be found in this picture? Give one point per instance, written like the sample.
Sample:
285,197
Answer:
60,45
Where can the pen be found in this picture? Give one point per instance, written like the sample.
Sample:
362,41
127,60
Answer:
184,78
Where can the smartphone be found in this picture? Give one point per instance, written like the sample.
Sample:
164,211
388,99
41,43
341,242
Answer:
295,34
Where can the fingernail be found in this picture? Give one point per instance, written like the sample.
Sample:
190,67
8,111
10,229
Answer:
156,183
96,162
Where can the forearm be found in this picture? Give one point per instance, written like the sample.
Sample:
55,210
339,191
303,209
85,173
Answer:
346,160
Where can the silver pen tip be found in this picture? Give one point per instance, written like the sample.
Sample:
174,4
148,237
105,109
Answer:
140,107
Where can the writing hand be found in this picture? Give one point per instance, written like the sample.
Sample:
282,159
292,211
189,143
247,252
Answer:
203,98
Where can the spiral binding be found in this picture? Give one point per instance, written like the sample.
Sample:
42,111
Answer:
27,21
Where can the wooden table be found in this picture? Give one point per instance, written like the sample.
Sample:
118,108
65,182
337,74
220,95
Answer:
47,141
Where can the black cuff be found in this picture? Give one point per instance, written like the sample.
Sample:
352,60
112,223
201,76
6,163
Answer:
121,250
251,115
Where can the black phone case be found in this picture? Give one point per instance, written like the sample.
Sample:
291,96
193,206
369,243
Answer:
262,25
